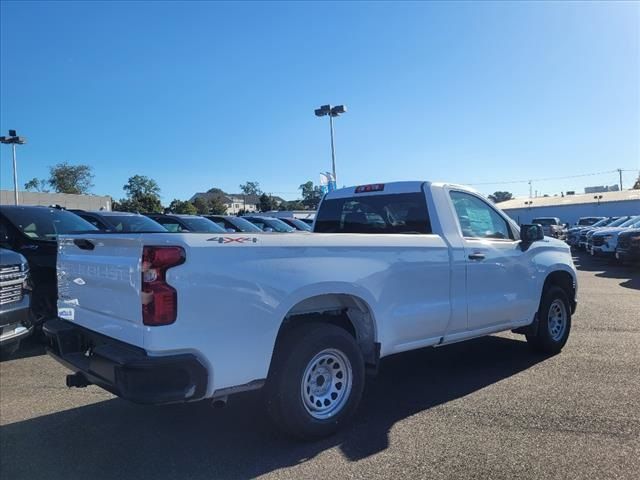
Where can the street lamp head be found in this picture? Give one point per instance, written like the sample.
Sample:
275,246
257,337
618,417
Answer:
338,110
20,140
323,110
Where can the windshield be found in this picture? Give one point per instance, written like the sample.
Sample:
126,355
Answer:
133,224
43,223
589,221
632,221
242,224
618,222
272,223
202,225
603,222
298,224
397,213
545,221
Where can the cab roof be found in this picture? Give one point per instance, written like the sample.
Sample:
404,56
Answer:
390,188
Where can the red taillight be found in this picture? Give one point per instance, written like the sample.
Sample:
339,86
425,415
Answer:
159,299
376,187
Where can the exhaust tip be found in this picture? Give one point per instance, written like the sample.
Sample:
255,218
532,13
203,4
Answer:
77,380
220,402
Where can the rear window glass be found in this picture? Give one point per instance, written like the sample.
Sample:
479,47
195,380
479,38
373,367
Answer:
397,213
42,223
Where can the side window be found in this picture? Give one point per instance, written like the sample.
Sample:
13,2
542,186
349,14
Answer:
477,218
93,221
170,225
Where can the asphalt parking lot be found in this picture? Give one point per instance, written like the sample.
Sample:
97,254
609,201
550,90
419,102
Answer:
483,409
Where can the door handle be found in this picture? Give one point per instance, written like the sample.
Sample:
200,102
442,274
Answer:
476,256
84,244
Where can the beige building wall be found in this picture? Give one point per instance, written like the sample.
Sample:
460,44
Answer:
66,200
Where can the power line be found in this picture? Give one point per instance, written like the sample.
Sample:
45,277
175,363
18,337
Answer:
553,178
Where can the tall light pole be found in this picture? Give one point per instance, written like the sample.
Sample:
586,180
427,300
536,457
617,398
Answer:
14,140
323,111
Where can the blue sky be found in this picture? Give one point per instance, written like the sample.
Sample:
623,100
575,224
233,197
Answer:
200,94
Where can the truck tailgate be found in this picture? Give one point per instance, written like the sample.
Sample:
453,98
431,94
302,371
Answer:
99,283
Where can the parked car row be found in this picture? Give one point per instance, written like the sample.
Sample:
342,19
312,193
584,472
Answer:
614,237
28,241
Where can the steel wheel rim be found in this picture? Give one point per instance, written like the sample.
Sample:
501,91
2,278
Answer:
326,384
557,319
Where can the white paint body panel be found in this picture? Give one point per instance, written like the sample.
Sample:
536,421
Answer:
232,297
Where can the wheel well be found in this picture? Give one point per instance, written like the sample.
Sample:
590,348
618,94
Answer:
345,311
565,281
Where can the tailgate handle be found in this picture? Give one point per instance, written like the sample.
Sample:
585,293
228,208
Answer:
84,244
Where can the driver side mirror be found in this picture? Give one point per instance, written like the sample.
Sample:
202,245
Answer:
268,229
4,235
530,233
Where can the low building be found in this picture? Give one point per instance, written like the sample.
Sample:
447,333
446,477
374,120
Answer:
66,200
571,207
235,202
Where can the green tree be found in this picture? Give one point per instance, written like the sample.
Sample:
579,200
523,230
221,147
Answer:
251,188
267,203
217,207
37,185
66,178
311,195
140,185
291,205
183,207
201,205
143,195
497,197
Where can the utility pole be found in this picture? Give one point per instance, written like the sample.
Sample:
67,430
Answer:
620,173
530,190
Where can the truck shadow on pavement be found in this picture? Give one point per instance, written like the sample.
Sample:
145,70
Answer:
114,439
29,347
608,268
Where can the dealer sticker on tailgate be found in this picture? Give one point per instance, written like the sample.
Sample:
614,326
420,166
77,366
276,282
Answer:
66,313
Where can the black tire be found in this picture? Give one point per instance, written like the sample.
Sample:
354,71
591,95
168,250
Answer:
284,390
543,340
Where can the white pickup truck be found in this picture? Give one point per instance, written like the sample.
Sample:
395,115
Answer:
161,318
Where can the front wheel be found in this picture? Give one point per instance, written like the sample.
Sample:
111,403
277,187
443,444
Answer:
316,380
554,322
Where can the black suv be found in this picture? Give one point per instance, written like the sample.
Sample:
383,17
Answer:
185,223
233,224
121,222
33,232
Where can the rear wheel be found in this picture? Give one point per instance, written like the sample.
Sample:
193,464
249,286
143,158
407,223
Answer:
316,380
554,322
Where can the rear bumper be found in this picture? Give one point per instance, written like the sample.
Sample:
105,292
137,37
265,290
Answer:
125,370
